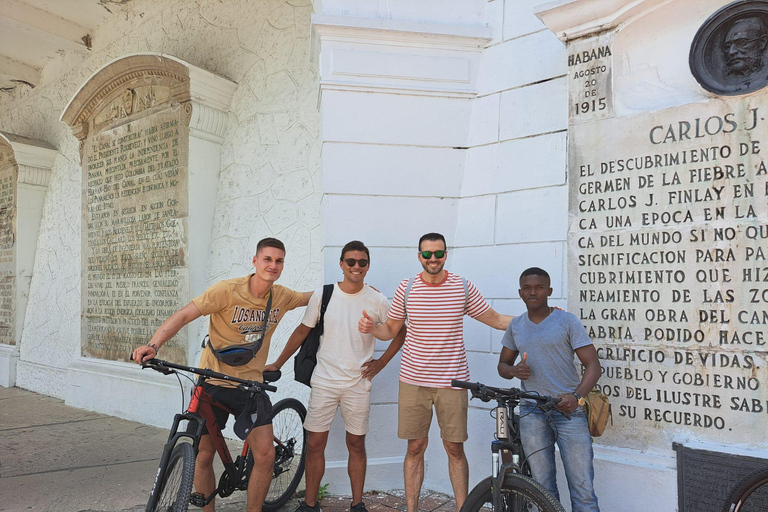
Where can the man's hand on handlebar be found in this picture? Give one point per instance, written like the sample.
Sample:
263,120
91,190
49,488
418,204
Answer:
143,353
568,403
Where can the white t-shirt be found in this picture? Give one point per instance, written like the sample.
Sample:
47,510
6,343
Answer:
343,348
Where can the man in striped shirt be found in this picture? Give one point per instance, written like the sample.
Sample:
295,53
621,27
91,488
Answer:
434,302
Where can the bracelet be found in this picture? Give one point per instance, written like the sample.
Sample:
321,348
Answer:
154,347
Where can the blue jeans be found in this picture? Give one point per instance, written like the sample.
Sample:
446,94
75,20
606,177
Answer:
575,445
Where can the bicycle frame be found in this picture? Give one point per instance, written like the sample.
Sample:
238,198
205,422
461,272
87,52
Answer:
507,439
200,413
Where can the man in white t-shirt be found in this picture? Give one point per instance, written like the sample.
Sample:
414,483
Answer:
345,367
434,354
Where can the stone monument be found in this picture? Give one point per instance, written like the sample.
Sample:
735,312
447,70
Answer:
25,172
150,129
668,234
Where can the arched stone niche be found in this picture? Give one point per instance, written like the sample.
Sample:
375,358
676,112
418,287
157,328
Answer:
147,206
25,171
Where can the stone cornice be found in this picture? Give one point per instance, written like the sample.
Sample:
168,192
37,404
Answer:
397,57
350,29
34,175
33,157
574,19
207,123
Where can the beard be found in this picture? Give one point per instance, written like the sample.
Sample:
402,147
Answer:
429,270
750,64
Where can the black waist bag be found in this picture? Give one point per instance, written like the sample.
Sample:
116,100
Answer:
305,361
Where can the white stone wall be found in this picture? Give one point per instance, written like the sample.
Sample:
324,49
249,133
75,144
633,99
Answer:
483,162
269,178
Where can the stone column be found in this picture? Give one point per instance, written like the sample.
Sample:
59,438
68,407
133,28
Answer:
25,172
150,128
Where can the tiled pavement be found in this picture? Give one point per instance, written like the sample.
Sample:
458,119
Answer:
392,501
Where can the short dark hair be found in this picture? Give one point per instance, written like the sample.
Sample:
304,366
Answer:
535,271
354,245
269,242
432,237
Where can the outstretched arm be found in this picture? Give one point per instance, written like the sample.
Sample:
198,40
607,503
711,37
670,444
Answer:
166,331
493,318
374,366
383,331
291,346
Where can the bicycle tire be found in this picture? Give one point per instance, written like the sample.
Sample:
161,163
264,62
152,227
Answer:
519,493
750,494
288,425
174,484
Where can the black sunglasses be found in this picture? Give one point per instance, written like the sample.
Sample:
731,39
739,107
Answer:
428,254
351,262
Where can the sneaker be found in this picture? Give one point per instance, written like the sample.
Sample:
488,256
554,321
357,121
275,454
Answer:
303,507
360,507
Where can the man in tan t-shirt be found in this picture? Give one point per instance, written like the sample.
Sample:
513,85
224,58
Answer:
237,308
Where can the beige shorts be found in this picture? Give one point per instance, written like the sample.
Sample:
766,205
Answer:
414,412
355,403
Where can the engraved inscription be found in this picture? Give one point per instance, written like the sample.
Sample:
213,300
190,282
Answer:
669,266
7,246
590,71
134,246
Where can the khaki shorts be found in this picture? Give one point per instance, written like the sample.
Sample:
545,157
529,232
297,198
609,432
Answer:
355,402
414,412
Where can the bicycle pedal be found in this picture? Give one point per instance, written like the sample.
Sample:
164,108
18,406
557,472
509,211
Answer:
197,499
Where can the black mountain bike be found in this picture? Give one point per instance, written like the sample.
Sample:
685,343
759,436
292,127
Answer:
510,487
750,495
172,491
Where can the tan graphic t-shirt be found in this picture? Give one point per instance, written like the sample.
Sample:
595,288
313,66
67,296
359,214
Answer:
234,312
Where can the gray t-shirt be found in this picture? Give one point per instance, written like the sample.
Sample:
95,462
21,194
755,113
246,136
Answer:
550,345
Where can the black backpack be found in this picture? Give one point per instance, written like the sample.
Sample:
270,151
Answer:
305,361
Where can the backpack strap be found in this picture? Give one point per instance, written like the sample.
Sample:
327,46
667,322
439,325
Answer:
327,292
466,292
407,293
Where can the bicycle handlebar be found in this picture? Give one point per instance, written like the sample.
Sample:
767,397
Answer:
166,367
486,393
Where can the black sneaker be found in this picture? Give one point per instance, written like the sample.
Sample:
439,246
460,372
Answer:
303,507
360,507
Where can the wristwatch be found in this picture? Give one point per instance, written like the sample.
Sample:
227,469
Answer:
579,398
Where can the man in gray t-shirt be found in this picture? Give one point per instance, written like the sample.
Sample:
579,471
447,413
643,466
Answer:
548,339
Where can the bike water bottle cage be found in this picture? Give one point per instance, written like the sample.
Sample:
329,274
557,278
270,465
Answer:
239,355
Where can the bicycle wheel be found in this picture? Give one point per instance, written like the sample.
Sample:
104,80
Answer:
174,483
290,449
750,495
518,494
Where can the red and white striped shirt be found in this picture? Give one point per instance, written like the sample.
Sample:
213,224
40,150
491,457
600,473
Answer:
434,353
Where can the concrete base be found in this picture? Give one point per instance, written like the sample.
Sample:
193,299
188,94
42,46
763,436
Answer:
125,390
9,356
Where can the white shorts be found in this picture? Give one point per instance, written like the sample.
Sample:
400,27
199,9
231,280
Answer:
355,402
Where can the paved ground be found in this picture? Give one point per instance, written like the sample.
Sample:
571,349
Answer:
56,458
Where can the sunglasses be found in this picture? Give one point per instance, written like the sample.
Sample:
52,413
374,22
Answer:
428,254
351,262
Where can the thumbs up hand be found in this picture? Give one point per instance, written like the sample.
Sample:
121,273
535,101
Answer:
366,324
521,370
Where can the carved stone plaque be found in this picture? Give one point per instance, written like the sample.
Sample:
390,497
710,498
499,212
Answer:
590,79
133,121
8,180
668,268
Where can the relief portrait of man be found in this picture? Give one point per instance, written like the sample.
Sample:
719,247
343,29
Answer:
744,47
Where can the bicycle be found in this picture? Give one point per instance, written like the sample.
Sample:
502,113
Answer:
510,487
750,495
172,490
